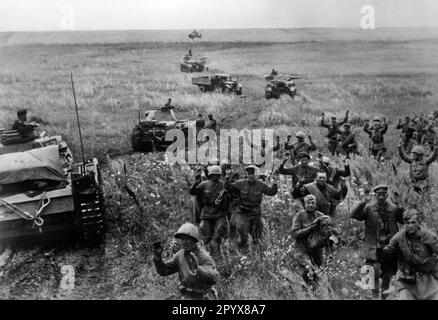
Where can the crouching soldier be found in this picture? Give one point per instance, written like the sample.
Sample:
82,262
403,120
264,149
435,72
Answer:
196,268
380,217
417,251
311,231
418,166
214,222
249,214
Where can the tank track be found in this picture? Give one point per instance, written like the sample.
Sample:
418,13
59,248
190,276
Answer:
90,213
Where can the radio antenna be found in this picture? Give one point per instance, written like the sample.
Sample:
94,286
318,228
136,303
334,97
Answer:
79,124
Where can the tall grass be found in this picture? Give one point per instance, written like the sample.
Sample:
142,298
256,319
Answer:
114,81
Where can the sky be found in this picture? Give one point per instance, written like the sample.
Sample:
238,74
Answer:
52,15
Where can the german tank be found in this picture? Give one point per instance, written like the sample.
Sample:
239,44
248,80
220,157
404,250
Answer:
43,192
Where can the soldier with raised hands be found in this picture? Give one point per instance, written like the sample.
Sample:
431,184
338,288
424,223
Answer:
376,133
250,193
195,267
299,146
380,217
418,166
213,216
324,193
333,132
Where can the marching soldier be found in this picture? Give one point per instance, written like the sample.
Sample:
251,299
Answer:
381,217
195,267
335,174
308,250
299,146
249,215
418,166
417,251
333,132
404,126
213,216
324,193
302,174
376,133
348,141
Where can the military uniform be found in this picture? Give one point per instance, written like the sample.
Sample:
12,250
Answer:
348,142
249,219
191,287
304,255
299,147
418,268
324,196
380,227
335,175
214,221
418,169
333,134
376,133
195,267
300,174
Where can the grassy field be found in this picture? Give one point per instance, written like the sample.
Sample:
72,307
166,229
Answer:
393,74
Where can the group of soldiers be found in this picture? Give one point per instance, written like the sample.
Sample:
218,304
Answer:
228,205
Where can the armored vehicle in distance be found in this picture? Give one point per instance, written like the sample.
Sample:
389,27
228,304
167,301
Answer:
150,134
194,65
221,82
281,84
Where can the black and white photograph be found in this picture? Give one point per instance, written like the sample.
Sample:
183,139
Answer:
237,151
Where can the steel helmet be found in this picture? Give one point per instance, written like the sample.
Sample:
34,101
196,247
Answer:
300,134
409,213
325,159
251,166
213,161
214,170
418,150
190,230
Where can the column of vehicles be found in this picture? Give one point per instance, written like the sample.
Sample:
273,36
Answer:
44,192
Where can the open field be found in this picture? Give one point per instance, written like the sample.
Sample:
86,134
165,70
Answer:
393,73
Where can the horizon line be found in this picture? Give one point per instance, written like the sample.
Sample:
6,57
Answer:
225,28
